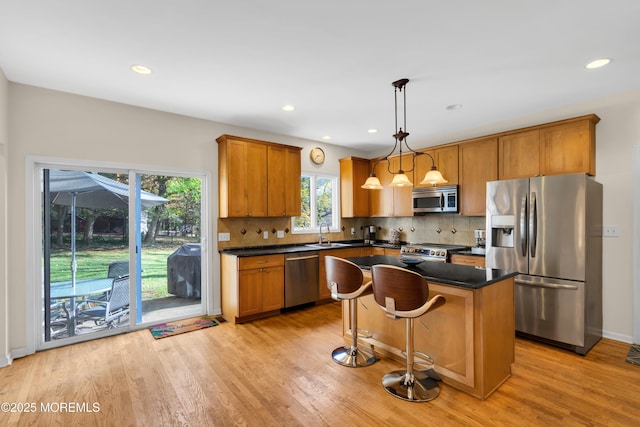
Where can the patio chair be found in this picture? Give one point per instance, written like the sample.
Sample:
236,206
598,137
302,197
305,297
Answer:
118,268
59,319
112,310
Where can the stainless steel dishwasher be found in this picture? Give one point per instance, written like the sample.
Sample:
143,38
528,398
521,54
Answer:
301,278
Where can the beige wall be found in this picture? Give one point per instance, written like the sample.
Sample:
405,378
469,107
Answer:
4,132
46,123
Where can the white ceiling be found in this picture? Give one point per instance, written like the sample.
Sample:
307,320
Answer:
240,61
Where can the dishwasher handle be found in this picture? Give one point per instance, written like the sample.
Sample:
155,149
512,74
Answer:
300,258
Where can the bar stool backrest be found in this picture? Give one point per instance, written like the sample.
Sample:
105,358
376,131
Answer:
345,276
408,290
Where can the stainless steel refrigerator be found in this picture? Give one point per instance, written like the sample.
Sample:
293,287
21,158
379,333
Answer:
549,229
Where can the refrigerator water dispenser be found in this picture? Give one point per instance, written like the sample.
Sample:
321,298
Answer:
502,231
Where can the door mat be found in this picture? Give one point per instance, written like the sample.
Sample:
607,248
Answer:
634,354
170,329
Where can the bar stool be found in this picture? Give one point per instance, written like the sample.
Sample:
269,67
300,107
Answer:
346,281
404,294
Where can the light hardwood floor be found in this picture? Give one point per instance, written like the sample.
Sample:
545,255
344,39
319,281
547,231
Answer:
278,372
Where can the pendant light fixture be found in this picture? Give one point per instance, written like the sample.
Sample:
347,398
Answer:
400,179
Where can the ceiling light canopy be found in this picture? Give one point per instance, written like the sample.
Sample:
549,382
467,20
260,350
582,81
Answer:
141,69
288,108
400,179
598,63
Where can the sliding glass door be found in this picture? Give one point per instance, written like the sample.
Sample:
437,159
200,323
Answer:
109,263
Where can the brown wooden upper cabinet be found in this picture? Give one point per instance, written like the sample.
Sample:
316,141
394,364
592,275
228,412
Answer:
569,147
354,200
478,165
390,201
283,183
562,147
446,160
519,155
257,178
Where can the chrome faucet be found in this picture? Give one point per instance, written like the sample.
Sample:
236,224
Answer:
320,236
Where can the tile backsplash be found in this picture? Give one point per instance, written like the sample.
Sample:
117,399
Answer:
430,228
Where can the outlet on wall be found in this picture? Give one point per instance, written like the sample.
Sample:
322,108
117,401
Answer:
611,231
224,237
265,235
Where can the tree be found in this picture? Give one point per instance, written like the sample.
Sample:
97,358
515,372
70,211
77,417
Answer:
156,184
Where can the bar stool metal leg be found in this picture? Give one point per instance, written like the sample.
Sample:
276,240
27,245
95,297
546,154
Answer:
354,356
410,385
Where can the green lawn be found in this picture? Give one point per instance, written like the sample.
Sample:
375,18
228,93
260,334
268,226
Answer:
94,262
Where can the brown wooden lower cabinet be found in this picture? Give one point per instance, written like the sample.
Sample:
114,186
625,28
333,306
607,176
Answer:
252,287
471,337
477,261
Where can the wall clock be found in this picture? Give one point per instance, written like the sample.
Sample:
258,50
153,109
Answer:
317,155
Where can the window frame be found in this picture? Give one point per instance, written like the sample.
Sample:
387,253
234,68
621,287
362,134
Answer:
335,204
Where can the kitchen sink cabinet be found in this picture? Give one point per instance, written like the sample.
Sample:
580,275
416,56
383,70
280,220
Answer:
354,200
476,261
252,287
478,161
257,178
446,160
391,201
323,290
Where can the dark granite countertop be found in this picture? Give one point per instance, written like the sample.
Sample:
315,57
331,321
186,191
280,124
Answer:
449,274
286,249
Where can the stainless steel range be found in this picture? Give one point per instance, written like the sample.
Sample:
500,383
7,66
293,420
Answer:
430,251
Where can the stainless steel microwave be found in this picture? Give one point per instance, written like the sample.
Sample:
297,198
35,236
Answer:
435,199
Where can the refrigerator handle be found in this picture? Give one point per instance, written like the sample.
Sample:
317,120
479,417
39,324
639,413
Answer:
533,225
523,226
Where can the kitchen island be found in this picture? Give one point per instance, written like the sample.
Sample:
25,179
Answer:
471,337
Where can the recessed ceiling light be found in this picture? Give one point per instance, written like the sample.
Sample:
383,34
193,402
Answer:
288,108
598,63
326,137
373,131
141,69
454,107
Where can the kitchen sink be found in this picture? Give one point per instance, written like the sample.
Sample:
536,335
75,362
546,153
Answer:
327,245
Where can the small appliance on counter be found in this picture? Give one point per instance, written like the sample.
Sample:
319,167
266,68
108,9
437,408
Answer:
369,234
481,240
394,237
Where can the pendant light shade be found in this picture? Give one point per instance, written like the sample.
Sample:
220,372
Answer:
372,183
433,178
400,178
